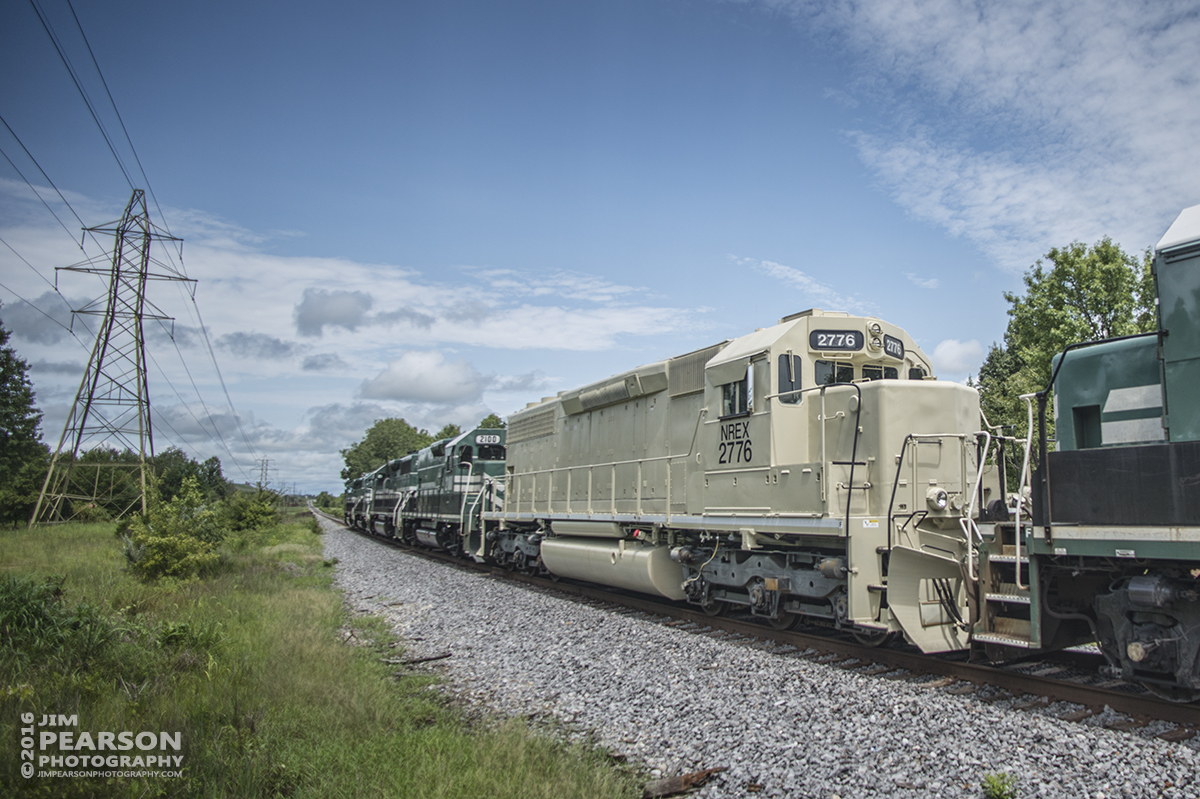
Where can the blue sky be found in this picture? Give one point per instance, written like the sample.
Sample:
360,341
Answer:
440,210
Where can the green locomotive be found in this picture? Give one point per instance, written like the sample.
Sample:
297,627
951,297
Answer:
434,497
1111,553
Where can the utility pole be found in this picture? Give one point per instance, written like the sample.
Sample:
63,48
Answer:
264,473
101,459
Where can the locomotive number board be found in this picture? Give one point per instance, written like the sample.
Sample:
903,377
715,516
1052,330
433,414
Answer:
848,340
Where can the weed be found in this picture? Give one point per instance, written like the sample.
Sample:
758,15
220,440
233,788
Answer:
1000,785
248,666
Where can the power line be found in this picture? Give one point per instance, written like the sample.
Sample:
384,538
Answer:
48,180
79,86
179,271
203,404
124,130
43,313
212,354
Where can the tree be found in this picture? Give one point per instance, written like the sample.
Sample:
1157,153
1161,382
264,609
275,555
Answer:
386,440
492,421
1086,294
1090,293
23,456
173,465
449,431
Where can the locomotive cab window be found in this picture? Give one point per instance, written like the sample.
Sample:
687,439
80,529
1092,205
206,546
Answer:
491,452
789,379
735,398
465,456
826,372
880,373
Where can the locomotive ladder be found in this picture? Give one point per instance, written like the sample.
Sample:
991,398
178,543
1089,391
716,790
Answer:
1010,613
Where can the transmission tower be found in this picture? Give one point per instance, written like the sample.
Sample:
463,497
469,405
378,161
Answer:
100,462
264,473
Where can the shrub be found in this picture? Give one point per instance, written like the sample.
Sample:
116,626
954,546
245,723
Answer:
177,539
249,512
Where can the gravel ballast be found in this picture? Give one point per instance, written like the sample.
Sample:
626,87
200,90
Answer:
780,725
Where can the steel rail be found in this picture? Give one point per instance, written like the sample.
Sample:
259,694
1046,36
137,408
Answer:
1142,706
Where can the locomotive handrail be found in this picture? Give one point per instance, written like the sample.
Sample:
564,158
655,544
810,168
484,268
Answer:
401,502
533,474
516,477
1025,475
967,522
462,510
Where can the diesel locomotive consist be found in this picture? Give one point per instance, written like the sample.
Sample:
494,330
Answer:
815,470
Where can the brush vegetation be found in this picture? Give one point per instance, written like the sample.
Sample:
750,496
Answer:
251,657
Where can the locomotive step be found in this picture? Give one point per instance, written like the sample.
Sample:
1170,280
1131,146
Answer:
1003,640
1014,598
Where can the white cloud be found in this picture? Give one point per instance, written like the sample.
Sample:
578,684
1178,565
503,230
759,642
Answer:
925,283
1027,124
814,291
954,359
569,285
45,319
337,308
256,345
324,362
425,376
263,312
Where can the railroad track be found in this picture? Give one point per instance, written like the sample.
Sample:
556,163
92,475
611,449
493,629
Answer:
1033,684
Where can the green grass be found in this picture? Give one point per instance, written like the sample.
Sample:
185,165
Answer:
251,665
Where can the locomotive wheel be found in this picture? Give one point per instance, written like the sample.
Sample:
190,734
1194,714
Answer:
717,607
1172,693
784,621
872,638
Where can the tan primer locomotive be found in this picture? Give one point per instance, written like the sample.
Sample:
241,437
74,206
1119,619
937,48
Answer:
810,469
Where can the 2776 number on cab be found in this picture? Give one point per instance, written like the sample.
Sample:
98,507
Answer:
735,445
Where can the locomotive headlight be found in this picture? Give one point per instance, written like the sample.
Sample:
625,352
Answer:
876,344
937,498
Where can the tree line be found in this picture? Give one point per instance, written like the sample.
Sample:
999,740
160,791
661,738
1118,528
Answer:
25,457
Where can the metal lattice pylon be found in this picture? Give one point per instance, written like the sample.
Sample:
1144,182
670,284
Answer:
101,460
